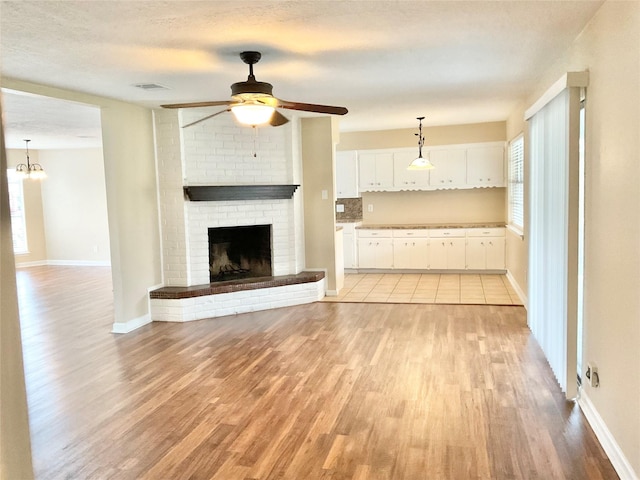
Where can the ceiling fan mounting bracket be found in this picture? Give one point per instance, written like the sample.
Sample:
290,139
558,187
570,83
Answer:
250,58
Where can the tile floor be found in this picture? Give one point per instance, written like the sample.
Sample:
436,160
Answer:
427,288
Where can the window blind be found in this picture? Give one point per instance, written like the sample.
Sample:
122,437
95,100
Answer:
516,182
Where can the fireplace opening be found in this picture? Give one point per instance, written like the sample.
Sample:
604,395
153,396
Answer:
239,252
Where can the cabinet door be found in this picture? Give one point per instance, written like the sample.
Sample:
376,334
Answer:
456,254
367,252
367,171
495,253
383,252
408,179
476,253
346,174
384,170
349,249
450,168
485,166
438,253
410,253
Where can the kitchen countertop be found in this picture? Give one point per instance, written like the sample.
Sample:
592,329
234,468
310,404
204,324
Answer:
348,220
430,226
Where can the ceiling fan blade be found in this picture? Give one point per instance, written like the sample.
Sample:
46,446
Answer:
205,118
278,119
310,107
198,104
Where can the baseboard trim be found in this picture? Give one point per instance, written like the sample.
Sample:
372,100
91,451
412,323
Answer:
36,263
131,325
79,263
516,287
610,446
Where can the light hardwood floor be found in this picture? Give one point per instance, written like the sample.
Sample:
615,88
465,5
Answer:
453,288
327,390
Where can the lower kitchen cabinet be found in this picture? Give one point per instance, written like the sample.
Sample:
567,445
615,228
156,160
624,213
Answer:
349,245
432,249
485,253
375,249
447,254
410,253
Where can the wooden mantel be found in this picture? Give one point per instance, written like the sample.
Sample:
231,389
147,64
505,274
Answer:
218,193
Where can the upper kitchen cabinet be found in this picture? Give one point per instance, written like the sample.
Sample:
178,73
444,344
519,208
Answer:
449,168
375,171
485,166
404,179
347,174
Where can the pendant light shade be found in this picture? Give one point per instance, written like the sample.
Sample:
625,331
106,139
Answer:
33,171
420,163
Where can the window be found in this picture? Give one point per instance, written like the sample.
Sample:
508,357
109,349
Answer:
16,204
516,183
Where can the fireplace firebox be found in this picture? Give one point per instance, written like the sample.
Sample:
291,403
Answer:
239,252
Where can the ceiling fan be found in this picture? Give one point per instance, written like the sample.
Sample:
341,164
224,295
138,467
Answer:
253,103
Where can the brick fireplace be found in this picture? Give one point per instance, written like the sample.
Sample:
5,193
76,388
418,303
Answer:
219,152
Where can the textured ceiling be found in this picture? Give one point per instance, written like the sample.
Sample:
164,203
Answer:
386,61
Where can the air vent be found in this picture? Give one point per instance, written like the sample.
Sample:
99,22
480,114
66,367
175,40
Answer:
150,86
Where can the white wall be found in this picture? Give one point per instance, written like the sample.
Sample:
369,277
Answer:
74,202
609,48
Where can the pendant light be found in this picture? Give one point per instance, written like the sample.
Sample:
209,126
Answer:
420,163
33,171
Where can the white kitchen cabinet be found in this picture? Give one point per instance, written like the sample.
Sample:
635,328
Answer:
450,168
375,171
410,249
486,249
350,247
404,179
375,249
485,166
347,174
447,249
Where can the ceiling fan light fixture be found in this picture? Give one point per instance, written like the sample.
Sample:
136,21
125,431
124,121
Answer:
252,114
420,163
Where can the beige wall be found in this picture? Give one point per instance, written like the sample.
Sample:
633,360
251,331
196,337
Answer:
15,444
609,48
441,135
318,139
442,206
129,163
75,206
517,245
34,216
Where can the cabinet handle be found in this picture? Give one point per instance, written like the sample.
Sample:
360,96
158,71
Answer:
377,243
451,243
414,244
491,243
441,181
488,179
443,244
482,243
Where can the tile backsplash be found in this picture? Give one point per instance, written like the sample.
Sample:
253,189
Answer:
352,209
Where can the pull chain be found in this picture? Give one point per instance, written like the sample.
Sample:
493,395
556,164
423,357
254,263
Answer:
255,141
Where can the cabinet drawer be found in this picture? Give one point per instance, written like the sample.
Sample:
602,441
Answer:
372,233
485,232
447,232
411,233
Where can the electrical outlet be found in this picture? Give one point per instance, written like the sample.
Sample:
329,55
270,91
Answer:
340,208
592,375
370,207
